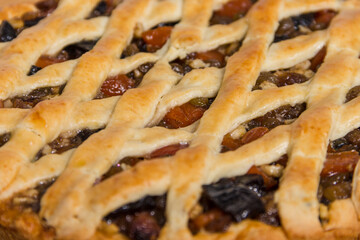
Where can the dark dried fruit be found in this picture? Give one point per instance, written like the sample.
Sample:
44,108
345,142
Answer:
214,58
144,227
7,32
236,199
266,77
254,134
277,116
76,50
141,219
4,138
353,93
340,162
335,187
269,182
62,144
214,220
271,214
99,10
318,59
289,78
34,69
231,11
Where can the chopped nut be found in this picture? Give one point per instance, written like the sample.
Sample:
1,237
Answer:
196,211
324,212
238,132
273,170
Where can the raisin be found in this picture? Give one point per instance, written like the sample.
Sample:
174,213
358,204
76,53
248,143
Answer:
156,38
266,77
213,221
144,68
76,50
4,138
141,219
271,214
47,5
144,227
318,59
99,10
231,11
340,162
214,58
42,187
116,85
269,182
305,19
353,93
338,143
177,68
286,30
7,32
289,78
353,137
254,134
322,19
34,69
130,50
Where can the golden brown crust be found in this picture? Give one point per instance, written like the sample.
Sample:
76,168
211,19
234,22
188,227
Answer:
75,207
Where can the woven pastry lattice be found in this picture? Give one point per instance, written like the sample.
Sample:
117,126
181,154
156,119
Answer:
75,206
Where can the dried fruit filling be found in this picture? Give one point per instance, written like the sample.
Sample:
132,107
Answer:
186,114
119,84
104,8
303,24
300,73
341,160
11,28
150,40
231,11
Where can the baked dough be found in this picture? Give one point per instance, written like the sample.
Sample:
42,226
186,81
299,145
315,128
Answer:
75,207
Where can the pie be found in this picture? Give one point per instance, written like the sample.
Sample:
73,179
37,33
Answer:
170,119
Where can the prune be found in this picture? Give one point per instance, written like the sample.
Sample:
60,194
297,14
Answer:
7,32
4,138
236,199
34,69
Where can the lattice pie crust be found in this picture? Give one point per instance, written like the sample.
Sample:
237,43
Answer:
74,205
